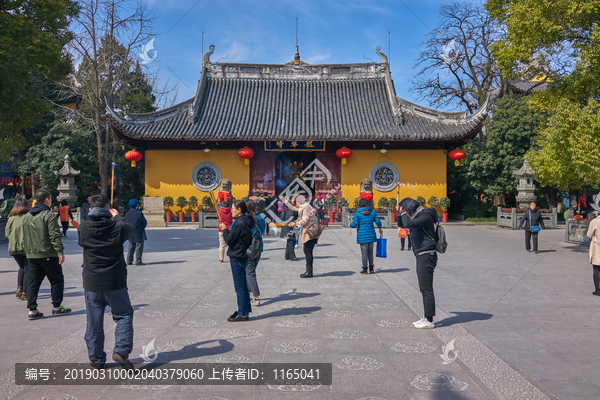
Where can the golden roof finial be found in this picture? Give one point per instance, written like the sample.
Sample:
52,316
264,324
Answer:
297,55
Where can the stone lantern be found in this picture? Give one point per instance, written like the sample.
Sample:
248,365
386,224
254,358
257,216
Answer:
526,187
67,188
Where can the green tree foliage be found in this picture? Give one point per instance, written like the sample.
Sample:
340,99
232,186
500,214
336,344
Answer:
569,147
511,134
32,37
64,138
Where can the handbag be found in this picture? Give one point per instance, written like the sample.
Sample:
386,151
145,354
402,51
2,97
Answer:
314,229
253,250
381,251
402,233
74,223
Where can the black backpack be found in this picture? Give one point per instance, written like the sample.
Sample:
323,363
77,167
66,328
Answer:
440,241
319,204
254,248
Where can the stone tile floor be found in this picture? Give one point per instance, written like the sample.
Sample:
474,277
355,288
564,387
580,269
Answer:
498,296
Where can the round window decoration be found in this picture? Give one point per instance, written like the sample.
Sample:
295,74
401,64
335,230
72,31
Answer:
385,176
206,176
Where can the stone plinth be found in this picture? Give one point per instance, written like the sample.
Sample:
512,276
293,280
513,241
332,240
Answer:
154,211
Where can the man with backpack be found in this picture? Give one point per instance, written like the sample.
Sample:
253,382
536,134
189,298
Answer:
319,206
421,223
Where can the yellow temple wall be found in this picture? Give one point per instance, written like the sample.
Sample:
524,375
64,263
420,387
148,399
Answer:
169,172
422,173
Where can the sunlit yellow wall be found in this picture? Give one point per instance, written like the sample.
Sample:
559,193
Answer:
169,172
422,173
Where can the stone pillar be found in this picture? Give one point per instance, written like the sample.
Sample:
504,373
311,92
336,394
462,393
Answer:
154,211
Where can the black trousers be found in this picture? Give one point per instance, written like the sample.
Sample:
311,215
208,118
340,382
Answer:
38,269
402,243
21,259
531,235
289,248
596,277
65,225
308,251
425,265
321,217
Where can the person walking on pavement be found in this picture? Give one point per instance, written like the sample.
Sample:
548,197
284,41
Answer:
226,218
16,247
105,281
44,250
533,222
288,233
421,222
403,240
239,237
65,216
306,218
257,231
320,208
136,243
363,221
594,234
85,209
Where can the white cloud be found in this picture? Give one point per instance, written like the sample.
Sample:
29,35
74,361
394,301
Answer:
316,58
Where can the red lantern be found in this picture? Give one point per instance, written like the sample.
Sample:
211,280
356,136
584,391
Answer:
133,156
343,153
246,153
457,155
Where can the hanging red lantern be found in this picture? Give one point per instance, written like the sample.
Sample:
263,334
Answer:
133,156
343,153
246,153
457,155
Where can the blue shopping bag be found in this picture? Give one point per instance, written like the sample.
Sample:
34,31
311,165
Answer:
381,247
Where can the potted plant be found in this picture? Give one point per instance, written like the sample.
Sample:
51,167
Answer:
343,202
355,203
206,202
444,205
181,203
168,203
433,202
421,200
331,203
193,203
393,204
383,203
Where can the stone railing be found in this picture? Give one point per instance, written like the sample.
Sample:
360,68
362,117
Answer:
384,217
576,231
208,219
511,219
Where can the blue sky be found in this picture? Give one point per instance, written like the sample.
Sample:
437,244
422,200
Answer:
261,31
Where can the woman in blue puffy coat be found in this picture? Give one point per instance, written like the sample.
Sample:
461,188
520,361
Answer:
365,233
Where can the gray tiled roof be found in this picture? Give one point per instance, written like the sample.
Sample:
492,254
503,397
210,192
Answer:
320,102
523,86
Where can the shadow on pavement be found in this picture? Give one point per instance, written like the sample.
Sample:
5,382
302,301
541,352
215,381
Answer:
380,271
335,273
287,311
190,352
289,296
157,263
461,317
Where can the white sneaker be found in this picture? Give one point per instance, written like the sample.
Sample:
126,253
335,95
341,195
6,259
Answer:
255,302
425,325
419,321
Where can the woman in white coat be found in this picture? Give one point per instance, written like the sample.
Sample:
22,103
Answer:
594,234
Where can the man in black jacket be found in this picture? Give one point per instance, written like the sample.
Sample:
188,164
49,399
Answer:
136,243
421,223
532,218
105,281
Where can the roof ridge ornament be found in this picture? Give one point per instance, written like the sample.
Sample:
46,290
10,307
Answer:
211,49
67,169
384,59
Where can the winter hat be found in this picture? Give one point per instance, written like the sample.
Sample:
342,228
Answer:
300,199
133,203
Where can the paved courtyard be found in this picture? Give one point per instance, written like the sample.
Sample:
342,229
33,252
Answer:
524,326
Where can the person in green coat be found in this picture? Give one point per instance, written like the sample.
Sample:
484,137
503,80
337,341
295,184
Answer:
16,248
